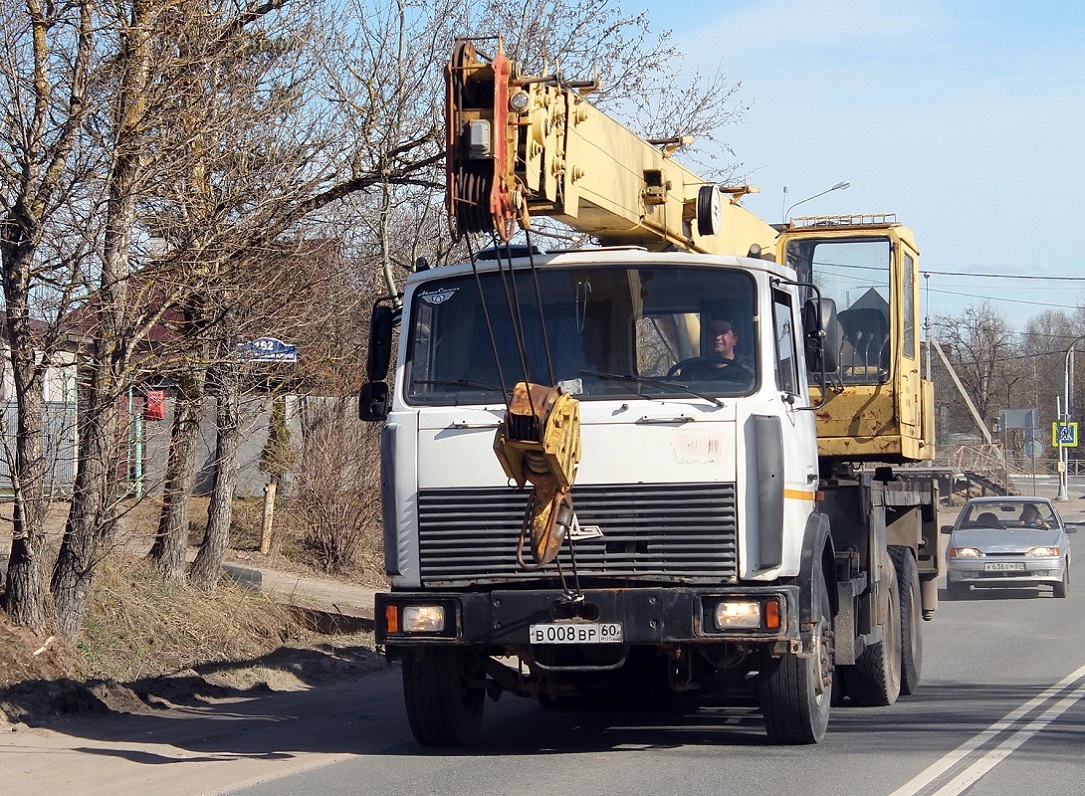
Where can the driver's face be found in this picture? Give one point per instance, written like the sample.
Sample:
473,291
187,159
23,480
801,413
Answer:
723,340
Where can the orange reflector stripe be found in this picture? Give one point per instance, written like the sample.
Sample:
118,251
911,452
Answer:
772,615
799,494
391,618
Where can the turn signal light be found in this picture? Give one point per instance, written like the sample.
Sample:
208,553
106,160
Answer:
772,615
391,618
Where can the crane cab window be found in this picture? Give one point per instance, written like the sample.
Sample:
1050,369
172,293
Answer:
855,273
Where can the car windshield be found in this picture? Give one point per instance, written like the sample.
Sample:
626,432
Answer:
612,331
1012,514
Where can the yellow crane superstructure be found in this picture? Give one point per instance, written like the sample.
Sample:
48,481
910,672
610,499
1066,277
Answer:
519,147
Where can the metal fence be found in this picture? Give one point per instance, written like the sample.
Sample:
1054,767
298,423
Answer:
61,447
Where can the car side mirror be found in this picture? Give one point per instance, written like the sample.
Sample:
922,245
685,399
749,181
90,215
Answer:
947,529
373,401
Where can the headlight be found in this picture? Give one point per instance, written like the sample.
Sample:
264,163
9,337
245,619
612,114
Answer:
738,614
1045,552
964,552
423,619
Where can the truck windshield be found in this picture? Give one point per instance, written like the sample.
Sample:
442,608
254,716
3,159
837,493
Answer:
613,331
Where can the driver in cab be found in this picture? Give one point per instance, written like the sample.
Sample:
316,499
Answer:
720,360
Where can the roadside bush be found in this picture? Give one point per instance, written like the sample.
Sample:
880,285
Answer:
337,485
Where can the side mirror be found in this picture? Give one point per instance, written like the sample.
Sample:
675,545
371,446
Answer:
947,529
380,343
373,401
822,335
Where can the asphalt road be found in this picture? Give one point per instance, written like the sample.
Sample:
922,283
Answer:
1000,711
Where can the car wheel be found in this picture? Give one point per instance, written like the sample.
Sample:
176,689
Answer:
1062,589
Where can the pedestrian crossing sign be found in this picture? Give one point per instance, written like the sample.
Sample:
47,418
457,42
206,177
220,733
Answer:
1064,435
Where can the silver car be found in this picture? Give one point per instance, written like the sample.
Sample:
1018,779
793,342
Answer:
1007,541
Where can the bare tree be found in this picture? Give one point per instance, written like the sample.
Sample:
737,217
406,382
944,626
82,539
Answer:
46,68
231,128
985,353
639,69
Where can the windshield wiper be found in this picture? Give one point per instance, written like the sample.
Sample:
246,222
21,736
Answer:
667,385
471,385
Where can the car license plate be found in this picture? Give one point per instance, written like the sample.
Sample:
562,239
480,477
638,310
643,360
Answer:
577,633
1003,566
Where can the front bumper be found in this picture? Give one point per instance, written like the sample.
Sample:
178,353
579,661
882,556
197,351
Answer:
649,616
1033,571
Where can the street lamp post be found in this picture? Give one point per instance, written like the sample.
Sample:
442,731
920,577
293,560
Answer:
843,185
1064,493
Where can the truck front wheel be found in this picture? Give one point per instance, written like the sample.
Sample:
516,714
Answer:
443,709
795,691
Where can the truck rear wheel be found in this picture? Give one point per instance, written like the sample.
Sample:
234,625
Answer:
874,679
795,692
911,615
442,708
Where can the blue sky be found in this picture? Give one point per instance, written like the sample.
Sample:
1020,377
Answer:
966,119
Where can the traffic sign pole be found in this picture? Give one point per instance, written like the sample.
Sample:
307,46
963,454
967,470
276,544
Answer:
1064,493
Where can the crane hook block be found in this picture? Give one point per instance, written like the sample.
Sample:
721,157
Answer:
538,442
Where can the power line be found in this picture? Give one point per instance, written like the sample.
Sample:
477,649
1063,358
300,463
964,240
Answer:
1029,277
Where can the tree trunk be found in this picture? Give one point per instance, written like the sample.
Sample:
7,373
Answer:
25,595
168,550
92,519
28,205
207,568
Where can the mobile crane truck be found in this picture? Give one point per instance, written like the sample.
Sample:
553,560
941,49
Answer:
699,428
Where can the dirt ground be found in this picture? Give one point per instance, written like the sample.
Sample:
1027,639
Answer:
146,646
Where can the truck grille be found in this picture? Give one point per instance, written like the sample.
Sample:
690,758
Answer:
658,532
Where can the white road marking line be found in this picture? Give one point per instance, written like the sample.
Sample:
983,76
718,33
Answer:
967,777
936,769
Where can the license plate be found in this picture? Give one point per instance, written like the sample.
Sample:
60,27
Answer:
1003,566
576,633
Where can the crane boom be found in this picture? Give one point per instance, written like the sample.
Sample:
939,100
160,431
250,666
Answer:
520,146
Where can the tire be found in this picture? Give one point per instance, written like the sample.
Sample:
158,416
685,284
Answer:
795,692
874,679
911,618
442,709
1062,589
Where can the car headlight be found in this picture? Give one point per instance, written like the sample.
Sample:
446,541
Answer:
964,552
1045,552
